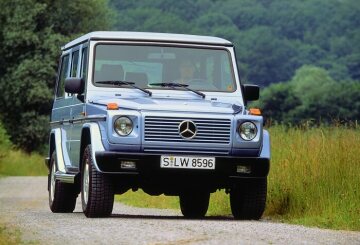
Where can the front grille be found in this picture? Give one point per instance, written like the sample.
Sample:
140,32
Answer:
166,129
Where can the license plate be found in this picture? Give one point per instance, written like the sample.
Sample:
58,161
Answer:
187,162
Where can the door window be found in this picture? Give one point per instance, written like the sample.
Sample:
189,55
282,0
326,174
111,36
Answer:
63,74
84,63
74,64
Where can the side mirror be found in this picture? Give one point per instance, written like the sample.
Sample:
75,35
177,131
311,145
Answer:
74,85
251,92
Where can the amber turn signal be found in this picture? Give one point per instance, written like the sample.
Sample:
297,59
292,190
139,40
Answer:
255,111
112,106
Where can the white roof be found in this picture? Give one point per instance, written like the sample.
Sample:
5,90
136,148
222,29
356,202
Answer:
148,36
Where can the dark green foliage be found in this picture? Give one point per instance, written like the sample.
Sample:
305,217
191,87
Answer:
313,44
32,32
311,95
273,38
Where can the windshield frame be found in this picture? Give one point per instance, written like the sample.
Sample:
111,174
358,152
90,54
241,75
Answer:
166,44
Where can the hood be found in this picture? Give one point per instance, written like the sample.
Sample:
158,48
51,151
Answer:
165,104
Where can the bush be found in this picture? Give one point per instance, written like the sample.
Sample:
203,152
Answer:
5,144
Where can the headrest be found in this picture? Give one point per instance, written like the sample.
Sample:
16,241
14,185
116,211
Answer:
110,72
139,78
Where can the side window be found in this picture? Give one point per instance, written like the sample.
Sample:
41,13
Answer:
74,64
84,63
61,81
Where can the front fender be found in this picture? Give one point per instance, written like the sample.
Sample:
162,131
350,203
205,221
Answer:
93,130
265,150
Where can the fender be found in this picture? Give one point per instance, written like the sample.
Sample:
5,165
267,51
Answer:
265,150
95,139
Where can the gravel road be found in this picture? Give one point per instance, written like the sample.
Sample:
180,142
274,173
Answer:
24,204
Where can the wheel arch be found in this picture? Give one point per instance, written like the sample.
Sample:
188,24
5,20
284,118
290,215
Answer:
85,140
90,134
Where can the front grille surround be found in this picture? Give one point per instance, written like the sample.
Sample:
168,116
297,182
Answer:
166,130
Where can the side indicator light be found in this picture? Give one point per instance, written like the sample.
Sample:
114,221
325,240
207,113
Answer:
112,106
255,111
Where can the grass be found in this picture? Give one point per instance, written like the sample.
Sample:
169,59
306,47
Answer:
18,163
314,180
140,199
8,236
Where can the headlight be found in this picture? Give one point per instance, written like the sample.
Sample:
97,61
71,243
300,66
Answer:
123,126
247,131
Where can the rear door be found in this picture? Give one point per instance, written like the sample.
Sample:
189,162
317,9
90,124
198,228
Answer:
60,115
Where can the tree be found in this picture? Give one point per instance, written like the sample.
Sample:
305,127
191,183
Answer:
32,32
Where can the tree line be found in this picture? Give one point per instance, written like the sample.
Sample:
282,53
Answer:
305,54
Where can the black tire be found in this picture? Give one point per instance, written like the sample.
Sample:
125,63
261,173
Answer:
99,200
62,196
248,199
194,205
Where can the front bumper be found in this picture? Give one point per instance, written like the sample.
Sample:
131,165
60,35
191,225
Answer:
149,165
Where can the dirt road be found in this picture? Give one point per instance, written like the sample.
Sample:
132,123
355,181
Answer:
24,204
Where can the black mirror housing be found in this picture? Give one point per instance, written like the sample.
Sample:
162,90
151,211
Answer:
251,92
74,85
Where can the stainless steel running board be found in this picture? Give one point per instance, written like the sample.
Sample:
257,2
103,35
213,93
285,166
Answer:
64,177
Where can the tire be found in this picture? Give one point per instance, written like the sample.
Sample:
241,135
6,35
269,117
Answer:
248,199
62,196
194,205
97,194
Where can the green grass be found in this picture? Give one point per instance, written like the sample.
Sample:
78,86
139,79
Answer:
140,199
18,163
314,180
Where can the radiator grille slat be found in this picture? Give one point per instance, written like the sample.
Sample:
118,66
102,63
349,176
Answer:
166,129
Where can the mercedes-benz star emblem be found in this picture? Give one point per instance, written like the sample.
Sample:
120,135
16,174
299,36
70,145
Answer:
187,129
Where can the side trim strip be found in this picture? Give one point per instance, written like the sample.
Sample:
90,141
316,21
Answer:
85,119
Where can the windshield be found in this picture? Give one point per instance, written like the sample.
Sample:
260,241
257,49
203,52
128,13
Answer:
200,68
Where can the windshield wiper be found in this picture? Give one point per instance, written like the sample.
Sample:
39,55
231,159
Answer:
179,85
121,83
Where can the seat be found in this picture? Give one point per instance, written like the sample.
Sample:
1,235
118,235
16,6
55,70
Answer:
139,78
110,73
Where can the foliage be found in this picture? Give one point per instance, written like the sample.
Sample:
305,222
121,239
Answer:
311,95
5,144
313,179
273,38
31,33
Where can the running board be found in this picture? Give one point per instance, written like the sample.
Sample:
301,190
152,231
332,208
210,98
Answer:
65,178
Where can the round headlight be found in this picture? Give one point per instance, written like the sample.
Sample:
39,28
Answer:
123,126
247,131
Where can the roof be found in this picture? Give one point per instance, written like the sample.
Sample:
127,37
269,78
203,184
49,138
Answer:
148,36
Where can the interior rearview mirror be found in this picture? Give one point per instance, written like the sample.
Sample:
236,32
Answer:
74,85
251,92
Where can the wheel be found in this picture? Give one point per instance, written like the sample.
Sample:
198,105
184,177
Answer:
62,196
97,194
248,199
194,205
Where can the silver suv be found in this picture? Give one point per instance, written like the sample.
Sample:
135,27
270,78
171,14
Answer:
162,112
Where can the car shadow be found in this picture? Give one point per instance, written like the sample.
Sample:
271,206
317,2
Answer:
169,217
